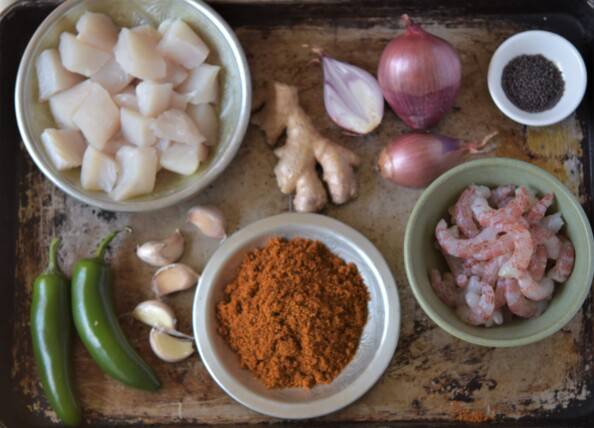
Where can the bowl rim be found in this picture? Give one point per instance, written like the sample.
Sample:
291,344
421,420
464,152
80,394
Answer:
332,403
471,338
26,66
528,118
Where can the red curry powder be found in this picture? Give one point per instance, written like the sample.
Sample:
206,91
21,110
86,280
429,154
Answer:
294,314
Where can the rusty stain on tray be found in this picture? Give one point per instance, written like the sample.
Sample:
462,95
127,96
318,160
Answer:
432,376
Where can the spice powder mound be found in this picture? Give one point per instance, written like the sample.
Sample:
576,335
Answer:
294,314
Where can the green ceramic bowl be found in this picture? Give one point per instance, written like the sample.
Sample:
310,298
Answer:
420,254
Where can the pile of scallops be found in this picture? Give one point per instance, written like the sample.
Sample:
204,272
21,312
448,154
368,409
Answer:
128,102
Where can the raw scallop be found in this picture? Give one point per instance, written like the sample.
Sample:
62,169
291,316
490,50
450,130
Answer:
179,101
138,172
136,128
99,171
153,98
98,30
64,104
112,77
127,98
182,45
52,76
202,85
65,147
176,125
80,57
206,118
97,117
115,144
138,56
148,33
180,158
175,74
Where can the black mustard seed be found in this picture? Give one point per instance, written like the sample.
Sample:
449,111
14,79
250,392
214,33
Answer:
532,83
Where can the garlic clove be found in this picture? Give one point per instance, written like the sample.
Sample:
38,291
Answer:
209,220
172,278
156,314
169,348
164,252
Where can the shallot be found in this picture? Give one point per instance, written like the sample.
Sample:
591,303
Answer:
419,74
352,96
417,158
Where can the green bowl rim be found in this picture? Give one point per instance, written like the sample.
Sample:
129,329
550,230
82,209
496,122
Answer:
477,340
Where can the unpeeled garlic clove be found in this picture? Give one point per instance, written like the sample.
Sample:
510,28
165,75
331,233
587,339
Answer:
172,278
164,252
169,348
209,220
156,314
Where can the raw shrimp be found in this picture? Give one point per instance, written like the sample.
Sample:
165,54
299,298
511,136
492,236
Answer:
463,248
497,251
444,287
469,317
502,245
463,214
538,263
500,293
488,216
539,209
502,195
564,265
457,268
480,298
545,236
535,290
517,303
489,270
523,249
553,222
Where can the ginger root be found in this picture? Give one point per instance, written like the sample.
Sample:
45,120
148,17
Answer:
305,146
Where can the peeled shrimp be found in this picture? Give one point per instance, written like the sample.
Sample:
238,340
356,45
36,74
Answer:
464,248
538,263
500,300
501,246
564,265
463,214
501,195
444,287
497,251
535,290
488,271
523,250
480,298
517,303
457,268
539,209
488,216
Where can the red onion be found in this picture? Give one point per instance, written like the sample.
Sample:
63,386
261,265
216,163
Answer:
352,96
416,159
420,75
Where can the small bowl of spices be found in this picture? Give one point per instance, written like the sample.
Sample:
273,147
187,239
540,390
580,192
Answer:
296,316
537,78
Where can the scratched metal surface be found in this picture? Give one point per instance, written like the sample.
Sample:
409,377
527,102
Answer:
432,376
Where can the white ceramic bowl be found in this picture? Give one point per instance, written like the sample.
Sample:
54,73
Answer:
234,109
558,50
378,340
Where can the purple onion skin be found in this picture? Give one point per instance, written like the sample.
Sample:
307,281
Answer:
420,75
416,159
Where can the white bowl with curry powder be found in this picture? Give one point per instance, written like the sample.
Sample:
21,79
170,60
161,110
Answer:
378,340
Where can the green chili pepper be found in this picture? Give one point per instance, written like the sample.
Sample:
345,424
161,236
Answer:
97,323
51,329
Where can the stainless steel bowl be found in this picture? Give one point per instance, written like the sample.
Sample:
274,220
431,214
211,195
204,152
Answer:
33,117
378,341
